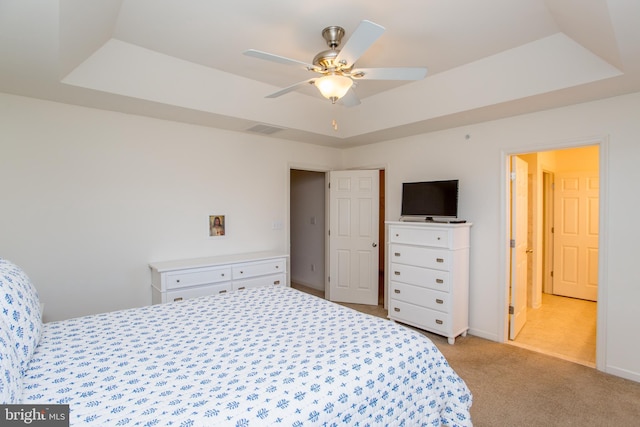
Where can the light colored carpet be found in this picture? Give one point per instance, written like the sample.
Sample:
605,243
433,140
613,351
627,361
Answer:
515,387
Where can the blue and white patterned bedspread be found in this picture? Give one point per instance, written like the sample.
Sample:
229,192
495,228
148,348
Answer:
265,356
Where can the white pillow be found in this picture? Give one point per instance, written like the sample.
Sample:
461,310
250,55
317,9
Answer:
19,311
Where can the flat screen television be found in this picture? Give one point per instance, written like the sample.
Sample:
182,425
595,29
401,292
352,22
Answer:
430,199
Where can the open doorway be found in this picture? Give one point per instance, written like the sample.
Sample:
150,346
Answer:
308,219
307,228
561,277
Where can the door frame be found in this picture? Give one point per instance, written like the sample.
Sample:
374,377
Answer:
548,179
505,233
287,227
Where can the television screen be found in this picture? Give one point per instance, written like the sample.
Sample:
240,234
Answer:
430,199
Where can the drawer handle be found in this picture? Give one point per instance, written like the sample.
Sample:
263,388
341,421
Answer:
438,238
224,291
397,254
222,275
439,281
277,267
241,272
439,259
241,288
177,280
439,322
397,273
397,235
276,282
396,309
439,301
178,299
397,291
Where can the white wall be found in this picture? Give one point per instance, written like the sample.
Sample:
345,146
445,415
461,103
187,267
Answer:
90,197
477,160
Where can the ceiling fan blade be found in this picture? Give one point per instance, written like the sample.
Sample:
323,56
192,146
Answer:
361,39
276,58
393,73
350,99
289,89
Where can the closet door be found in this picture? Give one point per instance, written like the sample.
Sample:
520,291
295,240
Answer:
353,236
576,216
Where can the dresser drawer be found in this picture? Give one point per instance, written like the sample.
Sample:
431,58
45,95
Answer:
196,277
420,236
420,276
252,269
422,317
439,259
200,291
270,280
427,297
189,278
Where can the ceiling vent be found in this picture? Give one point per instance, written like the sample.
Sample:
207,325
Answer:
264,129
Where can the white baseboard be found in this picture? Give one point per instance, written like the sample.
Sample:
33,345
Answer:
483,334
623,373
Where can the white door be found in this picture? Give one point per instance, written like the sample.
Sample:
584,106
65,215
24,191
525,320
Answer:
519,229
353,236
575,264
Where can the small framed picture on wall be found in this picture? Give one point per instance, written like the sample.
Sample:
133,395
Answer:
216,225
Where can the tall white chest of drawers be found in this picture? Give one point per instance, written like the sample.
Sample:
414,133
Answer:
428,276
189,278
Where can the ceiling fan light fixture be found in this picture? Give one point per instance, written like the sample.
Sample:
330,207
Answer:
333,86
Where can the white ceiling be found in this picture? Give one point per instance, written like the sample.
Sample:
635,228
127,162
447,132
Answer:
183,61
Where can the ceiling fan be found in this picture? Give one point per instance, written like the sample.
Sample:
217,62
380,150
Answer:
335,67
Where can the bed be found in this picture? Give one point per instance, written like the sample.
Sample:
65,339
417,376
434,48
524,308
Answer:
254,357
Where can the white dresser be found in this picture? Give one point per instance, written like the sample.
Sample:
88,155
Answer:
428,276
190,278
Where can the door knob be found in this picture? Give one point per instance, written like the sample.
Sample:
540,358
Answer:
374,244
